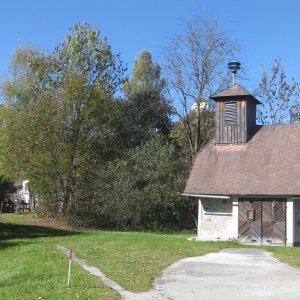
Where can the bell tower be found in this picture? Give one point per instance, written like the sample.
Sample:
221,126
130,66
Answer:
235,112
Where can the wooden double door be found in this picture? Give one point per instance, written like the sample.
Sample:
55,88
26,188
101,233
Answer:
262,221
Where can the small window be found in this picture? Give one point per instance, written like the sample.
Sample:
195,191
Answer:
251,215
230,113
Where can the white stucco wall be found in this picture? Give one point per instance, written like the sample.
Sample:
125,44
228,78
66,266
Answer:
290,232
293,222
217,219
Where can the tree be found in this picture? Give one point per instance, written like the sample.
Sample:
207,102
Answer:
194,64
280,98
179,133
59,126
142,189
146,109
296,115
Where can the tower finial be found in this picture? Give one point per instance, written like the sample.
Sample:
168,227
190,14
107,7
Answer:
233,66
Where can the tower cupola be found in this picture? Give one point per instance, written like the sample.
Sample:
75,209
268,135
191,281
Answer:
235,112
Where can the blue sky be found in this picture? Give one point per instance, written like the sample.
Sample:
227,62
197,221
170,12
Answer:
265,29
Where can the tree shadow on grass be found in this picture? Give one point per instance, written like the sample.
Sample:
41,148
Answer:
10,232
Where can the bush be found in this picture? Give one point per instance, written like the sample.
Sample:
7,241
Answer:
142,190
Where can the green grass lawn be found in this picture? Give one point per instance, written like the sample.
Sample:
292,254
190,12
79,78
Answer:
32,268
288,255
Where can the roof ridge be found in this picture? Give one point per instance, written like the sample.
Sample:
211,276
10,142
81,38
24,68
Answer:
278,125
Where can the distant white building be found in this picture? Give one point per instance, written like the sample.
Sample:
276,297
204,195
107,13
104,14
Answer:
16,197
23,191
203,105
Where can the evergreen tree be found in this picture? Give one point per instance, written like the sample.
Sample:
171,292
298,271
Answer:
146,110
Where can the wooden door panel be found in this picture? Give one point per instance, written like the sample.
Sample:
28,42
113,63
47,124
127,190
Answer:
269,224
250,230
244,225
279,227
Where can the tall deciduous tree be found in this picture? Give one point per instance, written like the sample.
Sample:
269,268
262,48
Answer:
280,98
146,109
59,125
195,67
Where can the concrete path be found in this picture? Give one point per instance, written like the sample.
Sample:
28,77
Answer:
97,272
229,274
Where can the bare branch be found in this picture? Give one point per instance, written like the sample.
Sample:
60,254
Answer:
195,68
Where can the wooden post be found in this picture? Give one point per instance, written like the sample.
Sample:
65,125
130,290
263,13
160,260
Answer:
69,271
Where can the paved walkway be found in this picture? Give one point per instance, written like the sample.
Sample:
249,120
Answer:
228,274
97,272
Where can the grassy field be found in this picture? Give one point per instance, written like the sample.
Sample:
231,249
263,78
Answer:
32,268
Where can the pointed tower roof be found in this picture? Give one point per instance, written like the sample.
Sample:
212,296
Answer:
234,91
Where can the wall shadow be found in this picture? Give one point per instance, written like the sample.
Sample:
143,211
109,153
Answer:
254,131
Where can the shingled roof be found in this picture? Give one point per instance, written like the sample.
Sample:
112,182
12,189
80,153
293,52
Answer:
234,91
269,164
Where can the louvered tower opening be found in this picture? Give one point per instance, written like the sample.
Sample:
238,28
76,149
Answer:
230,110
